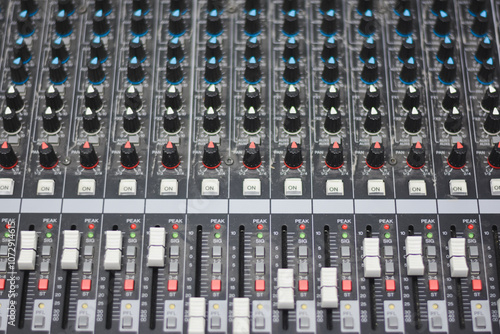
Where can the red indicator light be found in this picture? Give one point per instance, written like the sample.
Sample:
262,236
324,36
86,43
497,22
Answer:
387,226
260,227
217,226
175,226
470,226
133,226
302,226
91,226
344,226
50,226
428,226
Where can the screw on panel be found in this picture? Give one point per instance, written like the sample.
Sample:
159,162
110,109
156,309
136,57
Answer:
66,161
393,161
229,161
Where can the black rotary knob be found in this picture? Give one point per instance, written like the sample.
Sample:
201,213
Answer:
373,121
291,24
58,49
484,50
291,49
407,49
138,24
367,25
212,98
47,156
492,122
11,122
404,27
409,72
368,50
486,74
413,121
494,157
252,158
448,72
372,98
292,123
91,123
51,121
332,98
53,99
131,121
136,49
57,73
411,99
213,72
214,50
211,156
133,99
438,6
29,6
446,50
128,156
291,75
95,73
442,27
100,24
175,49
135,72
251,121
330,49
214,23
18,73
252,49
13,99
369,74
8,158
215,5
171,121
329,24
252,4
252,23
140,4
176,25
330,74
364,5
25,26
93,99
211,121
174,72
252,74
333,121
480,25
375,158
326,5
335,156
293,156
173,98
292,97
98,49
63,24
401,6
451,99
453,122
289,5
416,157
458,156
67,5
170,156
252,98
477,6
21,50
491,99
104,5
88,156
179,5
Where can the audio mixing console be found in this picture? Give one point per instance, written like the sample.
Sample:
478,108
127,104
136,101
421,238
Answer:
249,166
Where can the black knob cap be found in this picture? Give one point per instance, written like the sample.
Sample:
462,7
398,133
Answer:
401,6
404,28
175,49
53,99
138,25
494,157
176,25
326,5
59,50
446,50
409,72
213,49
480,25
47,156
25,26
211,156
51,122
291,49
333,121
375,158
214,23
291,23
104,5
491,99
477,6
438,6
252,98
8,158
367,25
91,123
100,24
416,157
453,122
129,157
289,5
291,75
135,72
171,121
98,50
335,156
133,99
442,26
411,99
448,72
18,73
252,74
213,72
131,121
373,121
292,97
252,49
11,122
13,99
368,50
93,99
96,75
484,50
407,50
212,98
252,4
179,5
486,74
330,49
29,6
372,98
330,74
252,23
173,98
211,121
413,121
21,50
67,5
140,5
369,74
492,122
332,98
292,123
63,24
170,156
293,156
57,73
174,72
251,121
217,5
329,24
252,158
458,156
451,99
136,49
88,156
364,5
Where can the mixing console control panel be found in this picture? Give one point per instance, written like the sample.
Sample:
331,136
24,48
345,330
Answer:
249,166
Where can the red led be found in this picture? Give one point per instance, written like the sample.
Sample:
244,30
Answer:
7,226
470,226
175,226
91,226
260,227
133,226
387,226
302,226
49,226
217,226
428,226
344,227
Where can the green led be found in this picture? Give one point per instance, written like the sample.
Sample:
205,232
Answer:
175,235
345,235
429,235
7,234
471,235
90,235
48,235
260,235
132,234
217,235
387,235
302,235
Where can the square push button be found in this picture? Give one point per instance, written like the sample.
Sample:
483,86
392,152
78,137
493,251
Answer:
335,188
169,187
86,187
376,188
210,187
6,187
251,187
293,187
46,187
417,188
458,188
127,187
494,185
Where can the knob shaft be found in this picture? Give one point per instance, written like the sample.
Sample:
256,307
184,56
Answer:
128,156
458,156
293,156
335,156
416,157
252,158
170,156
494,157
376,158
8,158
47,156
88,156
211,156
